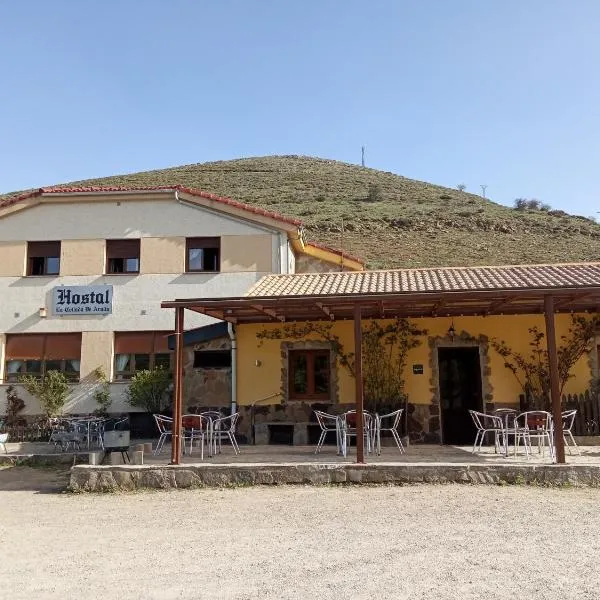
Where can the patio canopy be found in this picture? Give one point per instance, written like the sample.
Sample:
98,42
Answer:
409,293
451,291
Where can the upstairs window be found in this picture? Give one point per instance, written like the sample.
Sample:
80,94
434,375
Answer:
141,350
36,354
203,255
122,256
309,374
43,258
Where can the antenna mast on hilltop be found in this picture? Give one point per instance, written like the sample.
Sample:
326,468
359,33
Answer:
362,160
483,188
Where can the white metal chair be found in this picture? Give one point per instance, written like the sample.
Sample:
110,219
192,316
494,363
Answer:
535,425
224,429
484,424
165,429
389,422
348,430
3,440
568,419
328,424
196,427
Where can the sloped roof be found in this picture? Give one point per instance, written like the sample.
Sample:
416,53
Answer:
170,188
409,293
450,279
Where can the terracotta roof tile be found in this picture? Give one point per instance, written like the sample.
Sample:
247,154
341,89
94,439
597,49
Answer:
449,279
156,188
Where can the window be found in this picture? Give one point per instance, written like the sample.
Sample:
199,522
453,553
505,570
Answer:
141,350
203,254
212,359
122,256
36,354
43,258
309,374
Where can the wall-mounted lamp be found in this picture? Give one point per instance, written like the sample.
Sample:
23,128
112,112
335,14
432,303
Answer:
43,312
451,330
258,362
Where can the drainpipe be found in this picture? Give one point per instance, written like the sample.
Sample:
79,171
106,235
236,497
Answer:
231,333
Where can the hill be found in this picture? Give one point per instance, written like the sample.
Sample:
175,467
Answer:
389,220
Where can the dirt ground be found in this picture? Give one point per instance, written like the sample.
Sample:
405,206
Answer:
426,542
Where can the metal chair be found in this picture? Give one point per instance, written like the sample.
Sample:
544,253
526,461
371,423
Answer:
568,420
165,429
328,424
223,429
348,430
484,424
196,427
535,425
393,419
3,440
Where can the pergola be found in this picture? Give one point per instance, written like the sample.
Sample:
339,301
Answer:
476,291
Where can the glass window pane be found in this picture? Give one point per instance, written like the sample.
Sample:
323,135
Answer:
36,266
163,361
321,374
300,372
33,366
53,365
142,362
53,265
122,362
196,259
132,265
115,265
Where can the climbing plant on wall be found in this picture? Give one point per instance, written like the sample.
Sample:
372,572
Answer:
385,349
532,371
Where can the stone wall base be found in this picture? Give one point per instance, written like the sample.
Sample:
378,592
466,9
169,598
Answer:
88,478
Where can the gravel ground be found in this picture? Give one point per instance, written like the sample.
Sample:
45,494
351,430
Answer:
297,542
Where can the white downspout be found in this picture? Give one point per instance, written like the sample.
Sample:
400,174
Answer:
231,332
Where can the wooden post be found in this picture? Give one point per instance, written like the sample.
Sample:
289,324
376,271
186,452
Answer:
177,396
559,440
358,382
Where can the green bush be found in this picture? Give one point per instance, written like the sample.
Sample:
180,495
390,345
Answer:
148,390
51,391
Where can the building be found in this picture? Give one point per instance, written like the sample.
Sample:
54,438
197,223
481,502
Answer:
295,366
83,272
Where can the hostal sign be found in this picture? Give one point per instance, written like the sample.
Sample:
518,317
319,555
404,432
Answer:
82,300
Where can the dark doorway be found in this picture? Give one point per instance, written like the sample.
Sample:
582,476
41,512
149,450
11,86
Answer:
460,391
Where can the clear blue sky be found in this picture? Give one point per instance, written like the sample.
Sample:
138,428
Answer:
498,92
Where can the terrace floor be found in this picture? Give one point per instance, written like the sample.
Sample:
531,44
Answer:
280,454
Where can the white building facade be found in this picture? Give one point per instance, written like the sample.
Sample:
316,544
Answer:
83,272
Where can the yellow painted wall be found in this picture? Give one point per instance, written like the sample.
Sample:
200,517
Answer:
13,256
96,351
82,257
162,255
247,253
260,381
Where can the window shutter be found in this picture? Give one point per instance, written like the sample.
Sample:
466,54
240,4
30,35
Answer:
63,345
24,346
122,248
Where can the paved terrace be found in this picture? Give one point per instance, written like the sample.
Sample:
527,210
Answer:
274,465
283,454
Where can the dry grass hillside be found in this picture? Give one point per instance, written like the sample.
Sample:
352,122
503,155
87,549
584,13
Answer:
389,220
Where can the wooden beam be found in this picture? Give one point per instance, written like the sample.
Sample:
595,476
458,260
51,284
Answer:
358,385
267,311
324,309
574,298
559,440
437,307
178,391
495,306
